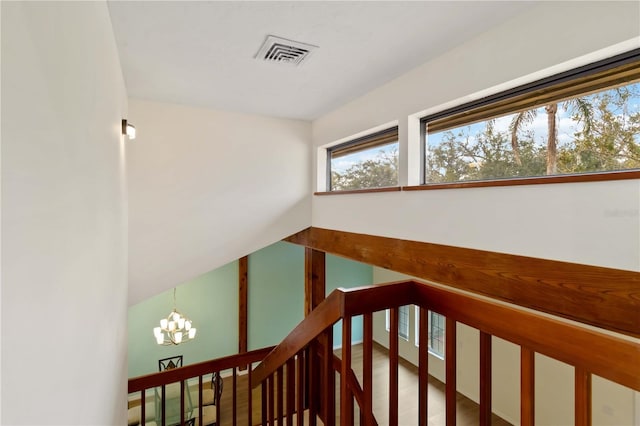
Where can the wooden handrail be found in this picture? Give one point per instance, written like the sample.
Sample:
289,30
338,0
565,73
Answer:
137,384
325,315
608,356
579,346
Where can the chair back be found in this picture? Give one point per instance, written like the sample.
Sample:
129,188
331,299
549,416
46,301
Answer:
216,384
169,363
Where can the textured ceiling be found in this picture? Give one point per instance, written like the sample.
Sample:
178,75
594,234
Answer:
202,53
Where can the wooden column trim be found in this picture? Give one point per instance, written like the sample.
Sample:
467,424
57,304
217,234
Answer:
527,387
485,379
583,397
243,307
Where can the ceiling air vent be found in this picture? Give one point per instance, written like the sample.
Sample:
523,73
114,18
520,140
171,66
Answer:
283,51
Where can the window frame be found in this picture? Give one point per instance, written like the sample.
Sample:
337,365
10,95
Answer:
372,140
549,85
387,324
430,349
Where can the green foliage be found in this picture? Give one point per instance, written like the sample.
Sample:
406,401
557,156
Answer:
611,142
609,139
486,155
378,172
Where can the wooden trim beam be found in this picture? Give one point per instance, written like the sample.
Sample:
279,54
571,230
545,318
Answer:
602,297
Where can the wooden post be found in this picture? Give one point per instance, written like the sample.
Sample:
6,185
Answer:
243,297
527,387
315,285
393,366
485,379
423,367
450,366
367,368
583,397
291,390
329,383
314,293
346,397
300,388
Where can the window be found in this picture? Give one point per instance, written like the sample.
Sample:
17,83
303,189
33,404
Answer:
436,333
582,121
363,163
403,322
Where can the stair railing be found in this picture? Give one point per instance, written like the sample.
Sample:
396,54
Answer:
589,351
142,388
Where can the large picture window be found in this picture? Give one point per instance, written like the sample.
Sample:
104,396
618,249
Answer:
583,121
364,163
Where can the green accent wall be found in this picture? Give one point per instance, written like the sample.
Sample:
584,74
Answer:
347,273
210,301
276,306
276,293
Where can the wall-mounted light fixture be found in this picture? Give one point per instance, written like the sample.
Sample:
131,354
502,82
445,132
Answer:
128,129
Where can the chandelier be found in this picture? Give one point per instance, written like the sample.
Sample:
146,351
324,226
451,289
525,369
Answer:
175,328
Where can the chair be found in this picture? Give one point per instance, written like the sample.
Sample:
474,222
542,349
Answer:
210,400
169,363
172,395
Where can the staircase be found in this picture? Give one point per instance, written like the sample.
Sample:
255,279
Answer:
299,375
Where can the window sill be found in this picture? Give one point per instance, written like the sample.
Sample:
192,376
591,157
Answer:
437,355
361,191
538,180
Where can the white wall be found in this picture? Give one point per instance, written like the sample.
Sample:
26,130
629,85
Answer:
592,223
64,224
207,187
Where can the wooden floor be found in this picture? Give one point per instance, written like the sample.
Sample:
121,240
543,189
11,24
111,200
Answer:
467,410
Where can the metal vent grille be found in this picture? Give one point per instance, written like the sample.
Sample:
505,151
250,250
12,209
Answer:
283,51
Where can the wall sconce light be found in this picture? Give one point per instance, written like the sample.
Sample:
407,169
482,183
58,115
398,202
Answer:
128,129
